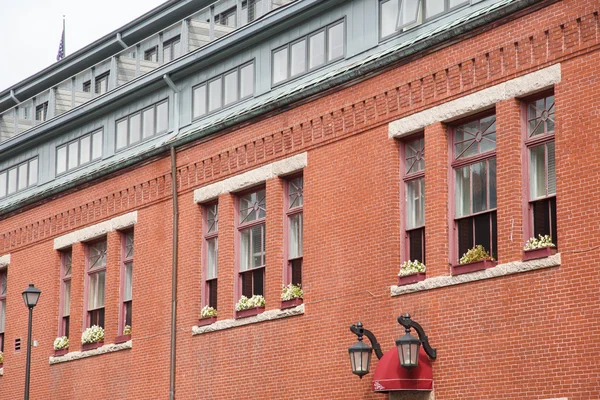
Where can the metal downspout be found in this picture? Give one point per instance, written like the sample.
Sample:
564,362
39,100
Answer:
174,275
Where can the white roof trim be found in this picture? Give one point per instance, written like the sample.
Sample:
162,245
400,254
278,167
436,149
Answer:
517,87
94,231
251,178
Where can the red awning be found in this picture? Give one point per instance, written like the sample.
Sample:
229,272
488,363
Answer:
390,376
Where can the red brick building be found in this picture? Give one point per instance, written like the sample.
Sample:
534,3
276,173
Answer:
417,139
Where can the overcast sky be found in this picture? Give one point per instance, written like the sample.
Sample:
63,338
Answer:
30,30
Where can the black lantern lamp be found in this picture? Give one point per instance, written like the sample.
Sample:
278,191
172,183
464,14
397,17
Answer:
31,296
408,346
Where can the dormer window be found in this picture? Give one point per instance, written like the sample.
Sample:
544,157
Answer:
41,112
101,83
151,54
171,49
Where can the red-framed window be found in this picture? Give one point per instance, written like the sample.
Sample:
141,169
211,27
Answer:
252,212
65,292
96,280
211,252
541,167
3,286
473,149
413,167
295,224
127,252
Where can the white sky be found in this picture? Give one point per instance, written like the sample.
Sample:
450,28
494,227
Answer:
30,30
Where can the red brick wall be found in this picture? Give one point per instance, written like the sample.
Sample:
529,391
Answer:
525,336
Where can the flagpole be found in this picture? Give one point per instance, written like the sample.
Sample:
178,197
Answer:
64,39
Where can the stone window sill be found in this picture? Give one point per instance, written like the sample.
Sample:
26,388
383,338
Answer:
515,267
262,317
77,355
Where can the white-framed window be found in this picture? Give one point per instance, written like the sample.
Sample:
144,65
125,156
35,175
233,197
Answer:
101,83
171,49
222,90
19,177
78,152
41,112
308,52
142,125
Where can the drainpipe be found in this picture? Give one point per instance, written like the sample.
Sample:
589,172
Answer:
12,96
174,275
121,42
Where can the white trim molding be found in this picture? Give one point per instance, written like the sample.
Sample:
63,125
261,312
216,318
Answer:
518,87
232,323
91,232
78,355
499,270
251,178
4,260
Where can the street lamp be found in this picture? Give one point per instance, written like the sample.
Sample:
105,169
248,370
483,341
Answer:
31,296
408,346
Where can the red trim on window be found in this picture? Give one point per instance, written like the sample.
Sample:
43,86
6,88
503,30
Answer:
86,319
206,236
290,212
64,278
125,261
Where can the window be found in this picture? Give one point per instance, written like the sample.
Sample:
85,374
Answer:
295,225
309,52
539,142
226,18
19,177
251,227
101,83
414,194
397,15
41,112
211,251
65,291
96,279
474,165
223,90
3,276
87,86
171,49
126,279
79,152
151,54
142,125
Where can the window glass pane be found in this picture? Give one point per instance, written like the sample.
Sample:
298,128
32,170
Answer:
410,12
316,50
33,172
415,202
258,245
245,256
12,180
212,246
416,239
135,127
67,298
167,53
551,169
454,3
479,182
148,123
252,206
465,143
537,172
162,117
492,182
212,218
298,61
214,95
415,156
463,191
97,255
296,192
22,176
295,236
97,145
389,13
2,184
200,101
73,158
335,44
176,49
84,148
61,160
231,87
121,134
247,80
96,290
2,315
433,7
280,67
128,282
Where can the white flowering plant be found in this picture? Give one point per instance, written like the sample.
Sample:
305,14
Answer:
1,357
291,292
245,303
477,253
411,267
539,242
93,334
208,312
127,330
61,343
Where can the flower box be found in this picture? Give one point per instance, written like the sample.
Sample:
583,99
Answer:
61,352
122,338
534,254
207,321
249,312
472,267
412,278
92,346
291,303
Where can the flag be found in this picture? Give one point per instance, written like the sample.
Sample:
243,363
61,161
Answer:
62,51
